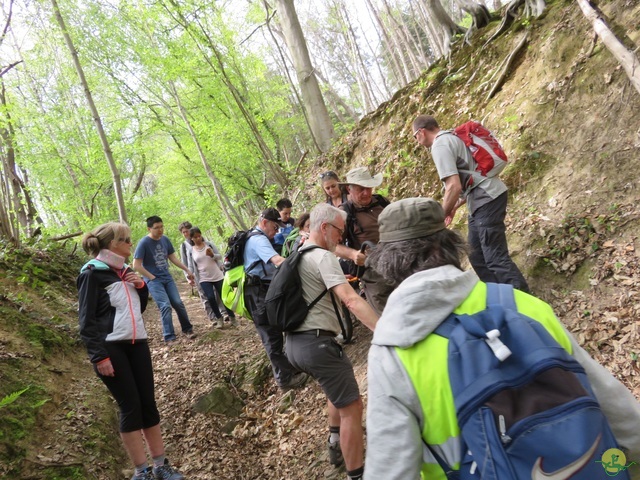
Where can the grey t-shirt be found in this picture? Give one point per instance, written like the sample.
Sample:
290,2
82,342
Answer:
452,157
319,269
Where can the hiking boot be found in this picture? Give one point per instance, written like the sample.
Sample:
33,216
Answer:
167,472
234,321
335,454
191,334
297,381
219,323
147,474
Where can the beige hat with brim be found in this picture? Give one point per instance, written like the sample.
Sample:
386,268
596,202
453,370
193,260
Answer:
361,176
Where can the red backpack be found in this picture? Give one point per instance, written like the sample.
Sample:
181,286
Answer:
488,155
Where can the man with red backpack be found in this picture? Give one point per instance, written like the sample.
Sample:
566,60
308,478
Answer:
468,179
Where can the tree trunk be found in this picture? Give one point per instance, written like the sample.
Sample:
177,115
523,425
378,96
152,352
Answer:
534,8
626,58
445,27
321,125
388,42
406,40
480,16
435,41
227,207
94,112
218,65
299,101
356,59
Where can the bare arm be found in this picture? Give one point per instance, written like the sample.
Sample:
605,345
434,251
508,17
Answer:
451,200
356,305
347,253
276,260
173,258
138,267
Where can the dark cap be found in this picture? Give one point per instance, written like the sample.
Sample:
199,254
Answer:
410,218
273,215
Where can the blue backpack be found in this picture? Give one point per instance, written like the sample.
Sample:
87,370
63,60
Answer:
524,405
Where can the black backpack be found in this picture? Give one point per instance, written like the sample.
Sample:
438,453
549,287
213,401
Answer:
235,251
285,305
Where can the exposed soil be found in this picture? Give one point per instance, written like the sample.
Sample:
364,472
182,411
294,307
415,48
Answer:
568,119
278,436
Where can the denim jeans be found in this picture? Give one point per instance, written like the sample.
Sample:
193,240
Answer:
208,289
165,293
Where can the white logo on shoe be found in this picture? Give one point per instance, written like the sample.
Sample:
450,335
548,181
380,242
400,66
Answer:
566,472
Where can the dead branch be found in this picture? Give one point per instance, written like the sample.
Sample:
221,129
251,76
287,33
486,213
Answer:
302,157
625,57
64,237
510,59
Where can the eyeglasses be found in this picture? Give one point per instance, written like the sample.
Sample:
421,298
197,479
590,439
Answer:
341,230
415,134
125,240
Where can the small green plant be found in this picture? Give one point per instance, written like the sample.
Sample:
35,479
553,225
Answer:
12,397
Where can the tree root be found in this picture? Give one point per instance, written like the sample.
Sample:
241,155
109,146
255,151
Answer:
507,64
507,20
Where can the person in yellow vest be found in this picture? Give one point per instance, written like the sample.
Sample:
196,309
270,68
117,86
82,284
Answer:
423,259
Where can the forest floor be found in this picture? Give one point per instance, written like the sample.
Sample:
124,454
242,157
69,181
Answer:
275,436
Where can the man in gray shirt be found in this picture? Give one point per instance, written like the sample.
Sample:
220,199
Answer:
486,199
312,347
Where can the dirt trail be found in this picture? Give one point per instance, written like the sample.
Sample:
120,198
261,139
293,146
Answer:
266,443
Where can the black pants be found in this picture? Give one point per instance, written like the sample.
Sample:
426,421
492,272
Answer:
132,386
488,241
271,338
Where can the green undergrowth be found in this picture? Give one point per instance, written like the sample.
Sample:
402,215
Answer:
40,355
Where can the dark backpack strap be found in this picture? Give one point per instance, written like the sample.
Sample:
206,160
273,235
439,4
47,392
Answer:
446,327
337,310
450,473
317,299
350,224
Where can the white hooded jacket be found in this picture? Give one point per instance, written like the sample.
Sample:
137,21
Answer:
395,449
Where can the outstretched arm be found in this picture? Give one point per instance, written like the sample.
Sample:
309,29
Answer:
173,258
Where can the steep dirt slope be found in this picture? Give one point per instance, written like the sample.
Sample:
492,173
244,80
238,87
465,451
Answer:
567,117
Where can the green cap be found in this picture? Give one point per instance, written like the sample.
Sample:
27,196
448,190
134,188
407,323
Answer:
410,218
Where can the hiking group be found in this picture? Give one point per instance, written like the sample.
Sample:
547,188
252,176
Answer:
469,375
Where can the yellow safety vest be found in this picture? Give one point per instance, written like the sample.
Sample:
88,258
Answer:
426,364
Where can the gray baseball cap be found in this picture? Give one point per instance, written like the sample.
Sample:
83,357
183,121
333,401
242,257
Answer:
410,218
362,177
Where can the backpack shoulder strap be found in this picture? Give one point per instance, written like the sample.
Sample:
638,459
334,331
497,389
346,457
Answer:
498,294
319,297
501,294
350,223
